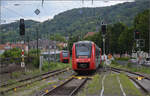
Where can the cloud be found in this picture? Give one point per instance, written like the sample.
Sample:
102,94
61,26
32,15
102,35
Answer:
14,10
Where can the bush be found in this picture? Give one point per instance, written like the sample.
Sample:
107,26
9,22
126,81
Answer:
123,58
53,66
33,52
35,61
129,65
13,53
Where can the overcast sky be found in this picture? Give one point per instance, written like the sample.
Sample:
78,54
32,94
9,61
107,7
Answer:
14,10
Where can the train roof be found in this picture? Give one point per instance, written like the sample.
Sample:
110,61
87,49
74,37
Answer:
84,42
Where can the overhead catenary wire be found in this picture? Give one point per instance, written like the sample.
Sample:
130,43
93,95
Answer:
14,12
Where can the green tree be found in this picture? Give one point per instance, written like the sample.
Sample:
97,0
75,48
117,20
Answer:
114,34
126,40
141,23
58,37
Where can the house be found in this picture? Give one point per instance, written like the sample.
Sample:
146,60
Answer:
43,44
8,46
62,45
2,48
89,34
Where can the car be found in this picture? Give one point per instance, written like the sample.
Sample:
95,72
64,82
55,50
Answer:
147,61
133,61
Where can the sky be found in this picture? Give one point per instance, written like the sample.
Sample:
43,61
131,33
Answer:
12,10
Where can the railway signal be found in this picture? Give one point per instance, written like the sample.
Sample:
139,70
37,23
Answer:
22,55
22,27
136,34
103,29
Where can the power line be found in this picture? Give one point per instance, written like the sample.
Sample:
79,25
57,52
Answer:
13,11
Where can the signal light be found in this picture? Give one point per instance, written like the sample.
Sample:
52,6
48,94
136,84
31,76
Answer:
136,34
103,29
22,27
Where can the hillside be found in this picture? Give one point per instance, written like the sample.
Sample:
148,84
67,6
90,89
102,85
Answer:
80,20
9,31
87,19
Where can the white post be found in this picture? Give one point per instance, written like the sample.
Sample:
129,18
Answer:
41,63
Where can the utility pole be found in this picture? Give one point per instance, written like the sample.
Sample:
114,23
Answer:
22,33
149,37
28,45
37,39
49,48
37,12
103,30
137,38
54,48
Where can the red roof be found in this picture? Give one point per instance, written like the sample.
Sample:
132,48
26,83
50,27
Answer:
89,34
4,46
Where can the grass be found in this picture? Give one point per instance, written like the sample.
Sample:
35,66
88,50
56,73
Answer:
123,58
128,86
93,87
111,85
16,74
54,66
129,67
32,88
46,67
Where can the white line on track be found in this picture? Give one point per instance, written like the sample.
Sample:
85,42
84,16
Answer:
102,91
124,94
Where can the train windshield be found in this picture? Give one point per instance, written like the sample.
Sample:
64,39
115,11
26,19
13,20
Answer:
65,54
83,50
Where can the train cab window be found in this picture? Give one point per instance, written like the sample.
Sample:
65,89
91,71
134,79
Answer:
65,54
83,50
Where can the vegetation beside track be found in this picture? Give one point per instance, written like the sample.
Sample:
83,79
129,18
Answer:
54,65
93,88
29,73
31,89
95,85
45,68
37,86
123,58
141,69
111,86
128,86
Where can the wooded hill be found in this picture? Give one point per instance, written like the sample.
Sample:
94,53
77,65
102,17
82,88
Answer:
76,21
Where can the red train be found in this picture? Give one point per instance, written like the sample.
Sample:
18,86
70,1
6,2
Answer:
86,56
64,56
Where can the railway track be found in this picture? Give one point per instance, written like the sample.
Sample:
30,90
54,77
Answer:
30,80
68,88
141,80
137,74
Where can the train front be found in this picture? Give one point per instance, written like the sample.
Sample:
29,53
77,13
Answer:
65,57
82,57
